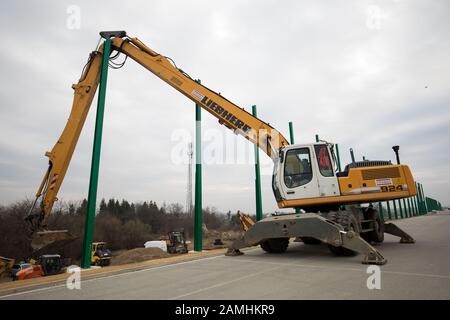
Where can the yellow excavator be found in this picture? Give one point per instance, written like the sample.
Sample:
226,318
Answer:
305,176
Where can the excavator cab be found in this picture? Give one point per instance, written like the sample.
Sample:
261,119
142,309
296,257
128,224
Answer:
304,172
305,176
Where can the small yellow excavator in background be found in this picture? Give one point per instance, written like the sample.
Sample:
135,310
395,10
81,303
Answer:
305,176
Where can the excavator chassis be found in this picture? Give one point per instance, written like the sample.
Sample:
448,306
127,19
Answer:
315,226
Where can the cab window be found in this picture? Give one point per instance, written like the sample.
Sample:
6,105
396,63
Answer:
324,161
297,167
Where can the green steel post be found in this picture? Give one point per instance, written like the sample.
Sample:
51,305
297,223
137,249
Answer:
388,210
405,210
258,177
425,208
95,164
402,214
400,208
419,208
198,180
411,213
380,209
416,206
338,158
291,132
317,138
395,209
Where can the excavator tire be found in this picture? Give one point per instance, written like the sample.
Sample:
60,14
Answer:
275,245
348,221
265,246
309,240
377,235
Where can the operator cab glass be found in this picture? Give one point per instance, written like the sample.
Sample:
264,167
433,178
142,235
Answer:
324,161
297,168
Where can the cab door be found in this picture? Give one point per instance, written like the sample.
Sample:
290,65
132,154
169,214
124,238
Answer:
327,181
298,179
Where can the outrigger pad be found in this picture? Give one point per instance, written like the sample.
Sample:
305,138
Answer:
374,258
352,241
396,231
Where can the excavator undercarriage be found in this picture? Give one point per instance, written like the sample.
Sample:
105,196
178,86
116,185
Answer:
340,230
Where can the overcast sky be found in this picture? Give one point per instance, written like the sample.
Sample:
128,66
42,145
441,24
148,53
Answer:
364,74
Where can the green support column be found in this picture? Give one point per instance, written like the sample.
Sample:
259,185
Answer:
420,199
388,210
395,209
406,209
338,158
400,208
411,213
425,209
419,208
291,132
317,138
95,164
380,210
198,180
257,178
416,207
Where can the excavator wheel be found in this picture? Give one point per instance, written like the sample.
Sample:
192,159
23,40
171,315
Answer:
275,245
349,222
377,235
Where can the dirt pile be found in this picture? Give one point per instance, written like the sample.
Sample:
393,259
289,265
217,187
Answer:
138,255
70,248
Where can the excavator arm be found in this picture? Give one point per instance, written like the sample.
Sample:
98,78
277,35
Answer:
230,115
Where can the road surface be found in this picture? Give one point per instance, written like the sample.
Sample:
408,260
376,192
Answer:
413,271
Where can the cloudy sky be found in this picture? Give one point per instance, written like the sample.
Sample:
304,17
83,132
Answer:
364,74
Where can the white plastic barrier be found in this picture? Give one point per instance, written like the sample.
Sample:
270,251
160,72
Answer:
156,244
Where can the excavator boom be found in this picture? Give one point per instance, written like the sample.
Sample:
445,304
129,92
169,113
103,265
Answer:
230,115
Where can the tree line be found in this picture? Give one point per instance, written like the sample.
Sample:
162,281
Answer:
122,224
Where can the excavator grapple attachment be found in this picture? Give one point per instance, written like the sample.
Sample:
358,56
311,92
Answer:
310,225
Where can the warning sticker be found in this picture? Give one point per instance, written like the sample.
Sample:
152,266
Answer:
383,182
198,95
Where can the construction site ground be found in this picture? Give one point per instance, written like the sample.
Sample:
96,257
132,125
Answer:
413,271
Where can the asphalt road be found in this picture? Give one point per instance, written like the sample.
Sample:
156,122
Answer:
413,271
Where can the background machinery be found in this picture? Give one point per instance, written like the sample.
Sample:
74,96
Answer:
304,177
48,264
176,242
101,255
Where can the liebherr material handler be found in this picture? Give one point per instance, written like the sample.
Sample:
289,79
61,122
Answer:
304,176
